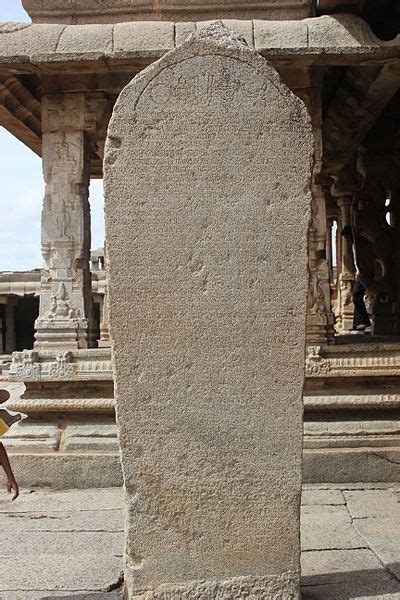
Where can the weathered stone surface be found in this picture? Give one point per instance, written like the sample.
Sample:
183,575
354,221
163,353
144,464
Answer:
64,543
58,543
325,40
373,503
94,572
346,465
183,31
34,436
315,496
347,30
358,577
59,471
269,34
86,38
208,155
371,584
329,566
383,536
78,521
47,595
242,27
141,37
100,11
31,40
97,436
76,500
334,532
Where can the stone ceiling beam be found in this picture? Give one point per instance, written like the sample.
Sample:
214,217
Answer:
51,48
110,11
20,113
362,97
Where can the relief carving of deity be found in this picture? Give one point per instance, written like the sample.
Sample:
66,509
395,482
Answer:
61,307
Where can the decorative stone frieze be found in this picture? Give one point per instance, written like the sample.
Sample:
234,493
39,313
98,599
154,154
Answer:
63,367
351,400
363,360
78,365
25,365
315,363
86,406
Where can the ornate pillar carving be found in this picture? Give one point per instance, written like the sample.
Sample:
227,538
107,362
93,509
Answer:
346,269
319,314
105,339
65,299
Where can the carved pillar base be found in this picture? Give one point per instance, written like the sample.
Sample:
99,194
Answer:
68,334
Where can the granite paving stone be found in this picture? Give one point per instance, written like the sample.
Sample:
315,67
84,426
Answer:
315,496
68,545
328,528
373,503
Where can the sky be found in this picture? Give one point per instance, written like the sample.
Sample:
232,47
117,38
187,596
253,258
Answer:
22,190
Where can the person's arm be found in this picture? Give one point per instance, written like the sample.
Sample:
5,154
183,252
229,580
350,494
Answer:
12,486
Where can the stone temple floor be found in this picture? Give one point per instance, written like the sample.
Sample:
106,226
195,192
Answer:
69,544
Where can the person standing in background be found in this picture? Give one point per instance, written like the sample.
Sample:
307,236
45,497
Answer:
7,419
361,318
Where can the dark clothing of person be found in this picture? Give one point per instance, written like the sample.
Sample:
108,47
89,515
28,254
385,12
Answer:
360,312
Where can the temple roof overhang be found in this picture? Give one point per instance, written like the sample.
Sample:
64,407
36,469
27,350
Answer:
51,48
102,59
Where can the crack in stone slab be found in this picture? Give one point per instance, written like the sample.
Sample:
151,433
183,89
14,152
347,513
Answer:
332,549
387,459
117,585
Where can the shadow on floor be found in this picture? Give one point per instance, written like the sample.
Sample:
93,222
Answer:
366,338
352,585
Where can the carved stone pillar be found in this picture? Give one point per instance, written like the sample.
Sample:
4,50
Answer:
319,314
105,339
346,269
65,299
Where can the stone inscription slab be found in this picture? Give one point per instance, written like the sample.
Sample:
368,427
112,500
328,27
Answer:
207,174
